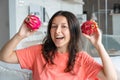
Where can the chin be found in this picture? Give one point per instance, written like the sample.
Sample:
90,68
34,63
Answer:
58,46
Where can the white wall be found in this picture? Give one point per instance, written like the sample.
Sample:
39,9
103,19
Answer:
4,22
19,10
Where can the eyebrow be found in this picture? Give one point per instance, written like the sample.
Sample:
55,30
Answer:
62,23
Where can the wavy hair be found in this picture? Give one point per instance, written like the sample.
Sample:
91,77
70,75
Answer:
49,47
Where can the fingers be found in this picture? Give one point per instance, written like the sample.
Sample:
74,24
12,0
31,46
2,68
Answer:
87,36
96,34
99,32
32,31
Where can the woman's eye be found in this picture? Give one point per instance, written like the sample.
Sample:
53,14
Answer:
64,26
53,26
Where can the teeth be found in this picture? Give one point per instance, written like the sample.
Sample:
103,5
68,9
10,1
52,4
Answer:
59,37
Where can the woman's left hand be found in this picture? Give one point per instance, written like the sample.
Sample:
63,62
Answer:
95,38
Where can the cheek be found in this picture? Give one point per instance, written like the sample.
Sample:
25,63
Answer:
68,34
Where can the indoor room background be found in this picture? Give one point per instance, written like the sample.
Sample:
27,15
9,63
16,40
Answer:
12,13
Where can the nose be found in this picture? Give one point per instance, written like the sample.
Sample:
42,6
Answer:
58,29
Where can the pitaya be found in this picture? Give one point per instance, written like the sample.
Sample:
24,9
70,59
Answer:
33,22
89,27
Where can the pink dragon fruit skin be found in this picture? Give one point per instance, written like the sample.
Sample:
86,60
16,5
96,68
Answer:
89,27
33,22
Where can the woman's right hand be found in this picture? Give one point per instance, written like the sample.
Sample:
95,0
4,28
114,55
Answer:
24,31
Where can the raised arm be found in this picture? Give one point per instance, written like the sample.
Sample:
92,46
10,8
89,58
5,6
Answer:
7,52
108,72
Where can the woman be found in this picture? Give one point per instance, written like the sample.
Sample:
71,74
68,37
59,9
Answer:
60,57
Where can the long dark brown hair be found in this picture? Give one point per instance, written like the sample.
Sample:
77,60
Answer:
49,47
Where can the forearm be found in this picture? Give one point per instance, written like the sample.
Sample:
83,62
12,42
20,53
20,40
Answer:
9,47
108,68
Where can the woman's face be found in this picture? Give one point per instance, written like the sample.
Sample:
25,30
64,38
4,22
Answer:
60,32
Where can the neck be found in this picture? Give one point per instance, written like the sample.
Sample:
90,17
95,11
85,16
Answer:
62,50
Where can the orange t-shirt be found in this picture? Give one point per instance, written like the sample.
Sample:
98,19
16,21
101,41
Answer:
31,58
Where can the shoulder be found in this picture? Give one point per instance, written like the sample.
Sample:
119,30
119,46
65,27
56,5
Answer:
34,49
82,56
37,47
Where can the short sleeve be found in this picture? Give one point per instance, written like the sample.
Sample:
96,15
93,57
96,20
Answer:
27,56
90,66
